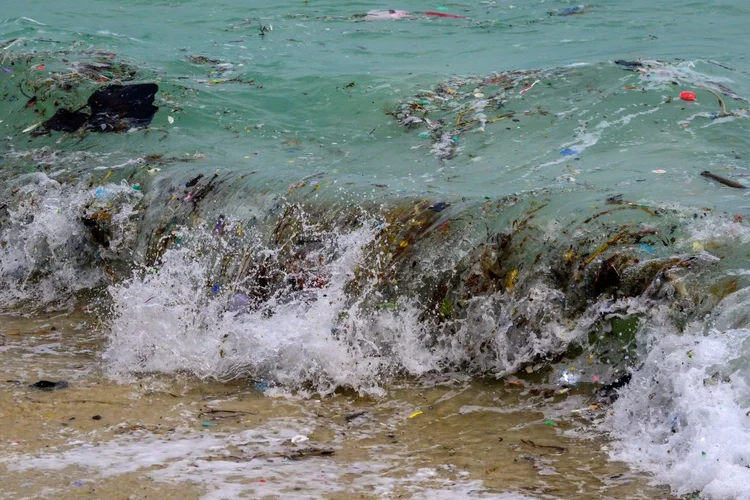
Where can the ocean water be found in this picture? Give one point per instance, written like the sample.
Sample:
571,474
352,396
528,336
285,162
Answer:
328,202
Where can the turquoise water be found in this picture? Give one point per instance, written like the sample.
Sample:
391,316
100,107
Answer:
302,68
481,194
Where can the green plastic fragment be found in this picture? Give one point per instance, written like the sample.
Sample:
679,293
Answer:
446,308
387,305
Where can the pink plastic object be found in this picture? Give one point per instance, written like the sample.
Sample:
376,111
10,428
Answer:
382,15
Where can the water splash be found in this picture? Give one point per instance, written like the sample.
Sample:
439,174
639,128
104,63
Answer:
57,240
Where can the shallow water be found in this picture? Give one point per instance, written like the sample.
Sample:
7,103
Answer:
178,437
490,218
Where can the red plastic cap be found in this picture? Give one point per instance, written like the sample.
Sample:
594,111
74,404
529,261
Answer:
687,96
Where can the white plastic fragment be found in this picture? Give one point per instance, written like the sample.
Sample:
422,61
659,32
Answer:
32,127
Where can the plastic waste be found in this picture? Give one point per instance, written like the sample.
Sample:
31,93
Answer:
572,11
382,15
237,302
114,108
443,14
523,91
688,96
47,385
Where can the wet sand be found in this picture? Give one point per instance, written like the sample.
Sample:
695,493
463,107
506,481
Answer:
172,436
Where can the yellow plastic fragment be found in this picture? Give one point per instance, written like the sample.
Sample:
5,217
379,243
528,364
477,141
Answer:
511,279
416,414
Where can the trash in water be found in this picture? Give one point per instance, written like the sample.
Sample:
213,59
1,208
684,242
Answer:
387,305
416,414
659,171
97,226
568,152
96,417
260,386
263,29
121,107
299,439
381,15
192,182
65,120
572,11
439,206
207,424
463,104
687,95
30,128
558,449
631,65
674,423
46,385
114,108
238,302
443,14
610,391
523,91
354,416
722,180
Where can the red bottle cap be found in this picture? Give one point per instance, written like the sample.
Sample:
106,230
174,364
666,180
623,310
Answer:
687,96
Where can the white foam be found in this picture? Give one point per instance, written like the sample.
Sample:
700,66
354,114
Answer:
167,320
684,416
45,250
248,463
164,323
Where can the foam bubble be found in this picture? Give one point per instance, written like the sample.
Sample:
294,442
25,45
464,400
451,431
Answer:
211,462
321,337
683,416
46,250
